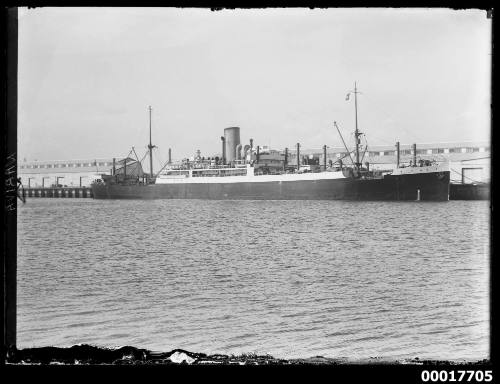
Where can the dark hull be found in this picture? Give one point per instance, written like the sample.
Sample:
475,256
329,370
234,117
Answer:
433,186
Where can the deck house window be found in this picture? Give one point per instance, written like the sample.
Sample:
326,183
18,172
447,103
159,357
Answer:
177,173
235,172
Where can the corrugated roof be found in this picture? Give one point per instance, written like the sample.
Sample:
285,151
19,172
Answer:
383,148
107,159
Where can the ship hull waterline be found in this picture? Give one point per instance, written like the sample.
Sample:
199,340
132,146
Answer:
433,186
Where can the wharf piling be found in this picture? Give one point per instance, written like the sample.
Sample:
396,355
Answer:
68,192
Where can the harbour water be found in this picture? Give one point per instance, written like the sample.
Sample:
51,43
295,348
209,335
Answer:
288,278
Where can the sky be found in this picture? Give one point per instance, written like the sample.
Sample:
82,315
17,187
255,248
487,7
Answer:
87,76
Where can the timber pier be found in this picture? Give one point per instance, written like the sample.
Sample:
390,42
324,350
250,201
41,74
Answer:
75,192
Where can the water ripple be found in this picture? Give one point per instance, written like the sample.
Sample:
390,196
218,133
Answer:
289,278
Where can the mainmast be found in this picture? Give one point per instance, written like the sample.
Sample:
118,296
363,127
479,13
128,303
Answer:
356,132
150,146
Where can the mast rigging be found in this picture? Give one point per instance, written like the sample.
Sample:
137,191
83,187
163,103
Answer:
345,146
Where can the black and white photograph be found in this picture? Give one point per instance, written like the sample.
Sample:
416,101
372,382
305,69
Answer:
251,187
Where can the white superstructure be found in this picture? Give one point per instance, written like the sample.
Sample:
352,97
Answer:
437,167
240,174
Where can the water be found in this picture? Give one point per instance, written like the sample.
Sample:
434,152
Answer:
288,278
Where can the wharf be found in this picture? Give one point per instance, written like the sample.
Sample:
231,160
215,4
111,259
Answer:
462,191
67,192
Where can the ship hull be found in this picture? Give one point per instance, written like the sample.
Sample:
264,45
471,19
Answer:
432,186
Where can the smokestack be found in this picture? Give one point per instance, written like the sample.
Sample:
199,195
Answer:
286,156
324,157
170,155
397,154
114,167
298,157
251,144
414,155
223,139
258,153
232,140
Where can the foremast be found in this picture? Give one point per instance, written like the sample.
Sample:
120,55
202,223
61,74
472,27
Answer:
150,146
357,134
355,162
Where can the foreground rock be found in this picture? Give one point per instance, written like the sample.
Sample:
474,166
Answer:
92,355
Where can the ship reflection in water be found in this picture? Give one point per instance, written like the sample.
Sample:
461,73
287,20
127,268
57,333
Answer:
288,278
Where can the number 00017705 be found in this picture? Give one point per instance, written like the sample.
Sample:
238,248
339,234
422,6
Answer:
469,375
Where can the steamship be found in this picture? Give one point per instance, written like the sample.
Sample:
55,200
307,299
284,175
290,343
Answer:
247,176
